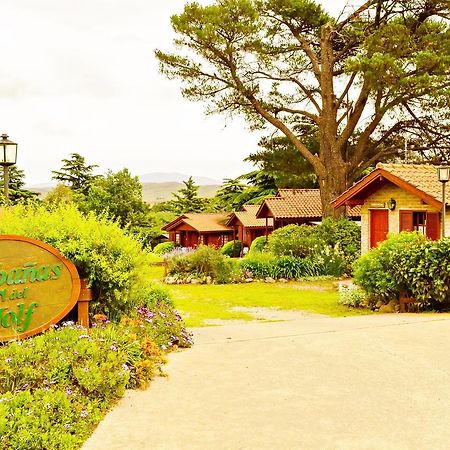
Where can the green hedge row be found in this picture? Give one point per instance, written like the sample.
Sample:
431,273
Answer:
410,263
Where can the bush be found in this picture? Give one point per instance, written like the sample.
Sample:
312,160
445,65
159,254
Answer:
342,235
380,272
267,265
163,247
204,262
338,241
232,249
113,261
57,386
294,240
259,244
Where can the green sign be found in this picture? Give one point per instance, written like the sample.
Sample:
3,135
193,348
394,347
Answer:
38,287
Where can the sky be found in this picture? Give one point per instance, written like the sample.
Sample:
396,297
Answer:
81,77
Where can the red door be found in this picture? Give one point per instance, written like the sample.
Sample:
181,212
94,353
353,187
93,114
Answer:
379,226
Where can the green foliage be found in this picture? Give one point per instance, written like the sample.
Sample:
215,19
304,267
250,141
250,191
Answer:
187,200
75,173
113,261
204,262
57,386
262,265
17,193
280,159
163,247
232,249
341,234
62,194
259,244
334,243
365,81
396,264
351,296
227,196
294,240
119,196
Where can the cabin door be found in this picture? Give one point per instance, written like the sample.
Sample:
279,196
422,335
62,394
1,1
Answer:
379,226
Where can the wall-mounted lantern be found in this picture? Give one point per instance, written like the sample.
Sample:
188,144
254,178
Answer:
391,204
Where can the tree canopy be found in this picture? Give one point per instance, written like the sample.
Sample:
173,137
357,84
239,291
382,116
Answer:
17,191
75,173
367,80
187,199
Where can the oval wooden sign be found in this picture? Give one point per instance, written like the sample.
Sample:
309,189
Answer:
38,286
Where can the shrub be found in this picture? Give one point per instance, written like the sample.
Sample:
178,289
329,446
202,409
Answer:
338,241
258,245
342,234
232,249
113,261
392,266
264,265
163,247
258,265
57,386
293,240
204,262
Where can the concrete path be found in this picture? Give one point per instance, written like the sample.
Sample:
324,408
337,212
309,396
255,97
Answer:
368,382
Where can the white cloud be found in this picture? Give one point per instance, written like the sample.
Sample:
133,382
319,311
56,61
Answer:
81,77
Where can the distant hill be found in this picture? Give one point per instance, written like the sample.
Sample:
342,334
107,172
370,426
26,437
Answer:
151,192
175,177
160,192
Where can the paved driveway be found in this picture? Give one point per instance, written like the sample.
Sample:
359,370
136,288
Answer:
367,382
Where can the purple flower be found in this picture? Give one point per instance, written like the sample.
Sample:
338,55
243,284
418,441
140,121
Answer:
113,348
83,413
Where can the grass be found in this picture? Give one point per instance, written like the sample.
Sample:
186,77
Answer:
202,303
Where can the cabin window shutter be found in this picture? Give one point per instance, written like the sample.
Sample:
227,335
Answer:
433,226
406,221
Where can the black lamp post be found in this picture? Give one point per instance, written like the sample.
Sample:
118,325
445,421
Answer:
443,173
8,157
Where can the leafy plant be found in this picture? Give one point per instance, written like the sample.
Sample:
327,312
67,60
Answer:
396,264
232,248
259,244
163,247
55,387
113,261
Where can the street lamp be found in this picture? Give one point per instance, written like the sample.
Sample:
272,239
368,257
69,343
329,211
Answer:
443,173
8,157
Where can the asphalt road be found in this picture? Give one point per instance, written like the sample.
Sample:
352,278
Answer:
366,382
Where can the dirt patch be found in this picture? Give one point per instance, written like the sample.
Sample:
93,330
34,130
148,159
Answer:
265,315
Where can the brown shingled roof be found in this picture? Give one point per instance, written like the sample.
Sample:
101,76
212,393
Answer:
297,203
201,222
419,179
248,217
422,176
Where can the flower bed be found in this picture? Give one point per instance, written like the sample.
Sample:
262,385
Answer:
55,387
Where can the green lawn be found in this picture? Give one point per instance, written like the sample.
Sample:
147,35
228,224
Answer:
200,303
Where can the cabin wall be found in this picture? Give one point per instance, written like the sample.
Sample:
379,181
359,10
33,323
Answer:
405,201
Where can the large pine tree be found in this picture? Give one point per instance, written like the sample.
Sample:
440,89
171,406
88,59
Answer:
367,80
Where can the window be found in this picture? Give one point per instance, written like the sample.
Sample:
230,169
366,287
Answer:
177,238
423,222
419,222
225,238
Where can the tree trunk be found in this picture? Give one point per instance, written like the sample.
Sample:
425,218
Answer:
332,184
333,172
